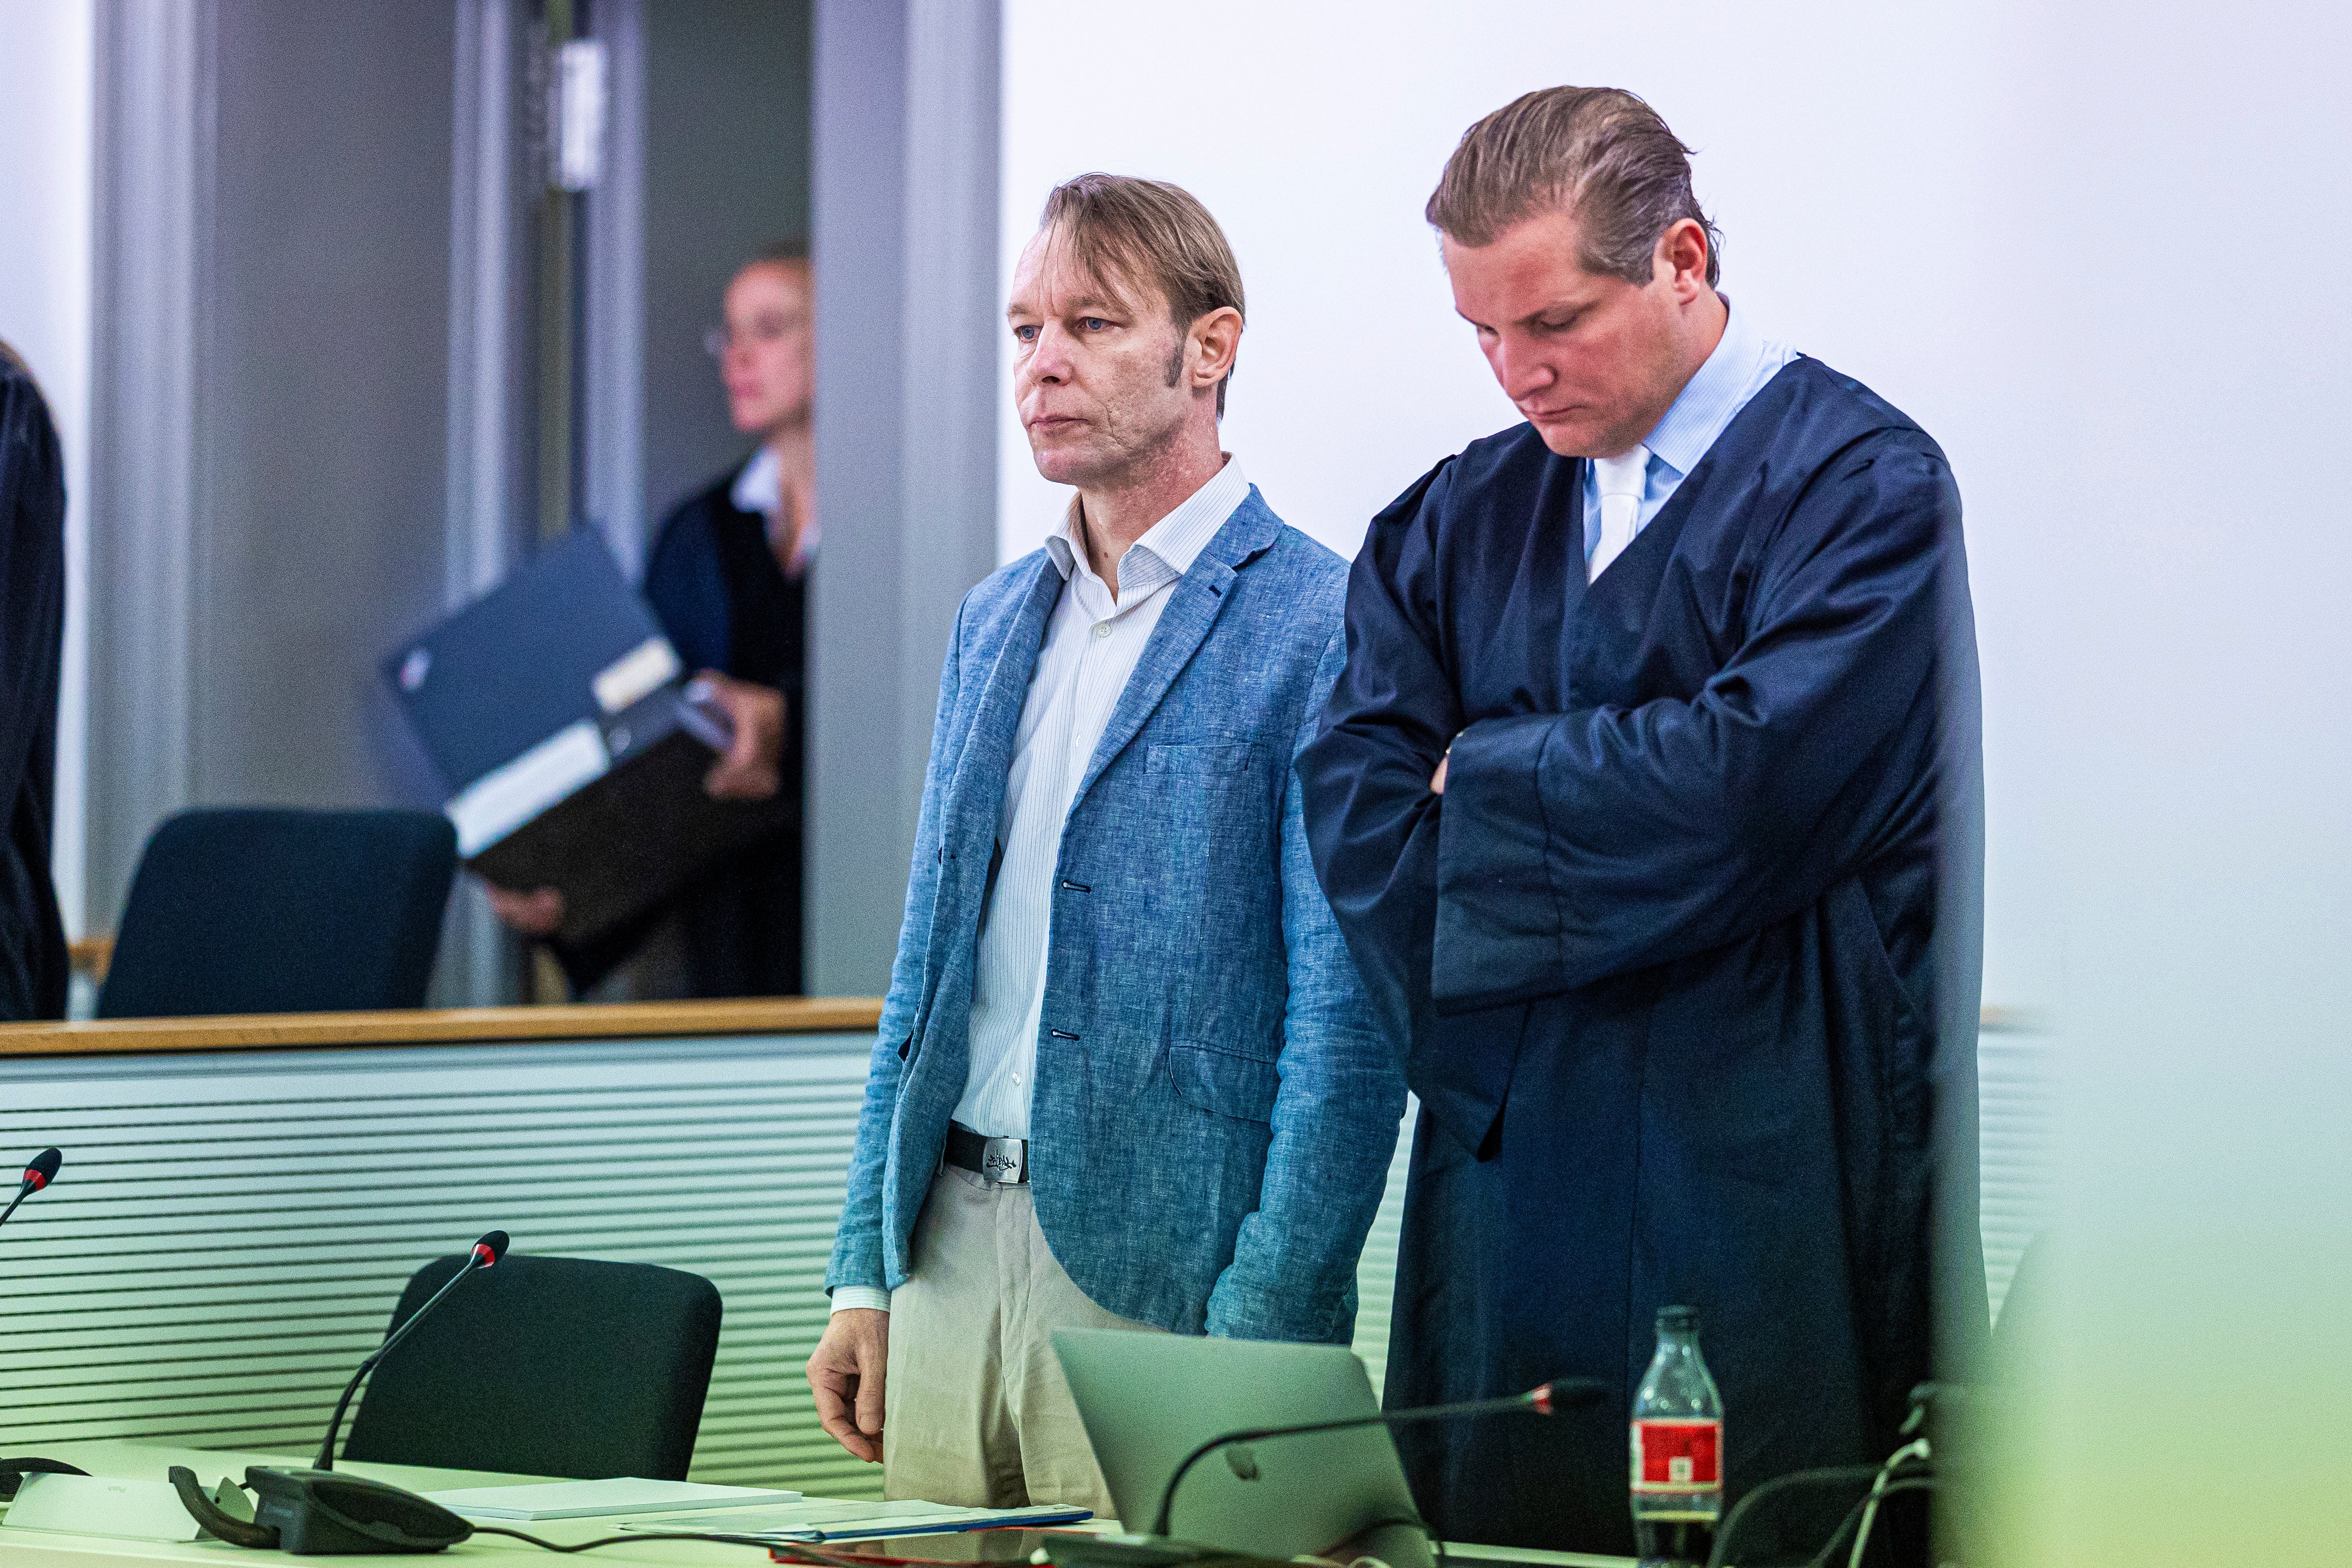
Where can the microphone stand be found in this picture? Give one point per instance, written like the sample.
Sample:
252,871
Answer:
38,1175
478,1258
24,1192
1543,1401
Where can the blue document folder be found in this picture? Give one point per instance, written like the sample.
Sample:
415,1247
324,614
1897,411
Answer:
561,721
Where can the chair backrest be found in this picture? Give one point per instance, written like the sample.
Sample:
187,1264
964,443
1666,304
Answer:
545,1367
268,910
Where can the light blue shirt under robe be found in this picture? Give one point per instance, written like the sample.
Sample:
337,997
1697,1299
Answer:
1737,370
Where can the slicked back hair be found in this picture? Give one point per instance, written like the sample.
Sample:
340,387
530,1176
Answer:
1599,153
1125,230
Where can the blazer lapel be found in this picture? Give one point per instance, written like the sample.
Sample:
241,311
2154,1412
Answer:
1193,606
975,794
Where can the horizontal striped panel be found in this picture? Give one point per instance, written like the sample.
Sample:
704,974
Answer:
2017,1149
1376,1271
230,1232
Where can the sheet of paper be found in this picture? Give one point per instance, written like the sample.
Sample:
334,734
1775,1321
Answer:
813,1519
595,1500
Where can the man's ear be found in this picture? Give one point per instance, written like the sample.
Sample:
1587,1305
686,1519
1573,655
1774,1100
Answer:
1681,257
1216,340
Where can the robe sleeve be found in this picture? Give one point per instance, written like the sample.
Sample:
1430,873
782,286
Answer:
1372,825
1579,845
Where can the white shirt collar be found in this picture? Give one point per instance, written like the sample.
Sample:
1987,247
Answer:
1172,543
1715,392
760,487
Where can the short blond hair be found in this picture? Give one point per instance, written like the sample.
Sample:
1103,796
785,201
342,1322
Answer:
1135,231
1597,152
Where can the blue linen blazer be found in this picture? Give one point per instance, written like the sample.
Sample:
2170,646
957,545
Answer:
1215,1108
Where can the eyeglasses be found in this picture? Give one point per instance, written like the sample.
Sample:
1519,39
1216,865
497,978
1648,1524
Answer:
762,331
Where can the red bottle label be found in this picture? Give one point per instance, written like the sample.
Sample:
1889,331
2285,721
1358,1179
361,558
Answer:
1677,1455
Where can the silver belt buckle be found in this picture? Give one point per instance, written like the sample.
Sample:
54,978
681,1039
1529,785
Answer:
1003,1162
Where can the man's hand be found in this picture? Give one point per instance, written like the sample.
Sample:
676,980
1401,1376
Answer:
846,1374
750,769
534,913
1437,779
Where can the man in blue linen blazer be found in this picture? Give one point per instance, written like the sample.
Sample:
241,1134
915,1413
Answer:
1213,1111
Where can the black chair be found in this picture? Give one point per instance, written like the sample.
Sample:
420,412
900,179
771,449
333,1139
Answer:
545,1367
276,911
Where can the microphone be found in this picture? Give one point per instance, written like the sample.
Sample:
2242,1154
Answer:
39,1172
1558,1395
485,1255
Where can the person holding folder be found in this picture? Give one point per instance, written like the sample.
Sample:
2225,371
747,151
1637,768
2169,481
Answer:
727,580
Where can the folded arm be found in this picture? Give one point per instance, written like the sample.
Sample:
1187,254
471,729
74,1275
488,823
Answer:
1579,845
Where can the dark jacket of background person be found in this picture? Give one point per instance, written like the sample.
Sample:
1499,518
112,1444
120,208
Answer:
714,584
33,972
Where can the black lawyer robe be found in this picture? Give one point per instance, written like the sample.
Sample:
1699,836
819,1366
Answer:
32,970
1663,955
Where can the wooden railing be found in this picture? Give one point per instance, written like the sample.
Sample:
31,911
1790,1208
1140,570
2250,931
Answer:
442,1026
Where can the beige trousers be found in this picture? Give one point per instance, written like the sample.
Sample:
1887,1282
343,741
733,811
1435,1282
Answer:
976,1409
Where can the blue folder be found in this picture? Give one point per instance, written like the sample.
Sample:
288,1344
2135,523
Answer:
561,721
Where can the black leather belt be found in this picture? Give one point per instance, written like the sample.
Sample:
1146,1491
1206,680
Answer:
1004,1161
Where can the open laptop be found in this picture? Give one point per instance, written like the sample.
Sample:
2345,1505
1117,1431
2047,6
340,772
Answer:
1149,1399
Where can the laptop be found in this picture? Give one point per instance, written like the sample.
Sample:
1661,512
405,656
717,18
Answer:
1149,1399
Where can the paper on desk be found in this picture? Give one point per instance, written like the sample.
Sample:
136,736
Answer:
600,1500
813,1521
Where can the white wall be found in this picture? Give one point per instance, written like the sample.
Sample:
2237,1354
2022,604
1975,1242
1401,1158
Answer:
2096,251
1862,215
45,235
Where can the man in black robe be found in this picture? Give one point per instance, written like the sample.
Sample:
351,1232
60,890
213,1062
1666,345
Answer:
1636,803
33,972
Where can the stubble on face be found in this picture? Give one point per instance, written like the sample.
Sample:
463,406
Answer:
1099,385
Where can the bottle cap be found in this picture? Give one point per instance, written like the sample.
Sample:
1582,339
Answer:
1678,1319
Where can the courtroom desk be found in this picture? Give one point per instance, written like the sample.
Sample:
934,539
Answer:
243,1198
151,1461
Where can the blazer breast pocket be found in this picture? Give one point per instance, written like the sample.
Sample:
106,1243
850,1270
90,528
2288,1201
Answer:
1205,761
1222,1082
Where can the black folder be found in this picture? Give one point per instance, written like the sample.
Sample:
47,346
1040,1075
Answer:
561,723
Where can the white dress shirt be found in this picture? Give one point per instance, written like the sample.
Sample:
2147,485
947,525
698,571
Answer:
1740,367
1093,642
759,490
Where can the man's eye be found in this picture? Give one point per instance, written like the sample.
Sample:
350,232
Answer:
1094,323
1025,334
